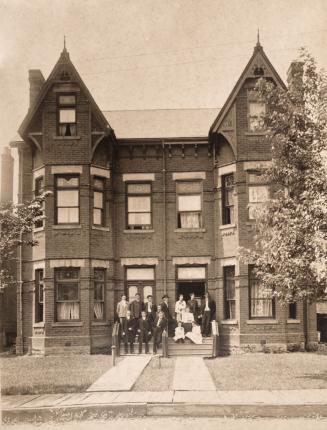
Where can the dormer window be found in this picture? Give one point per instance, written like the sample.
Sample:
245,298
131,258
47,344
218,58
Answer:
67,115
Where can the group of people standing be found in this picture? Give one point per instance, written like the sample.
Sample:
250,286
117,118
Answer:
147,320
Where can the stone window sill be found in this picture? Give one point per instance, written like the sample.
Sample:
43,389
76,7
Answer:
66,137
38,230
66,226
39,325
67,324
255,133
98,227
291,321
139,231
190,230
229,322
100,323
262,321
226,226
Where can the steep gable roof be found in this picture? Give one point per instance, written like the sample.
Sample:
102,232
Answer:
63,65
259,60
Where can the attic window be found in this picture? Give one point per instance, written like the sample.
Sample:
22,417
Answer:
258,71
67,115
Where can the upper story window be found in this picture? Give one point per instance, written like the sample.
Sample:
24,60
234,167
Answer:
227,182
39,295
67,293
67,115
262,302
67,199
139,216
256,112
189,204
258,193
38,190
98,200
229,292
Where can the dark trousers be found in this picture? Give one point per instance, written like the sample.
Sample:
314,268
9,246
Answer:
144,338
205,326
157,336
129,339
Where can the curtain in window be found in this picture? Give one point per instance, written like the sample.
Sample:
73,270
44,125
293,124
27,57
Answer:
139,218
189,203
67,311
98,311
139,204
261,301
190,220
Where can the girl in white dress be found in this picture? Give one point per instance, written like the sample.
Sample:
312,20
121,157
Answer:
180,307
195,335
179,333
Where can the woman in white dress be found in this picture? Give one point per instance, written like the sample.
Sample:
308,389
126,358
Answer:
179,333
195,335
180,307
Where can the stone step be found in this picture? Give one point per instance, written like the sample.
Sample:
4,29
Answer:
190,353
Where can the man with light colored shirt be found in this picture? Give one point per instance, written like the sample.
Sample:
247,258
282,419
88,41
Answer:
122,308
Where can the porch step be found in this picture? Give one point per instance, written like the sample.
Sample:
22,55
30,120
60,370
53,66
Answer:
188,348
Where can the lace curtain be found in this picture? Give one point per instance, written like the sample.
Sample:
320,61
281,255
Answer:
68,311
190,220
98,310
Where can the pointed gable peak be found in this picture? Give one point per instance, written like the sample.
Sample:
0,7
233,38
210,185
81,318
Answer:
258,66
64,56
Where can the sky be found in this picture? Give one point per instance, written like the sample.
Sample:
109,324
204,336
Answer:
150,54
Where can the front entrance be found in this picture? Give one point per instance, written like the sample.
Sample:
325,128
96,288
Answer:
186,288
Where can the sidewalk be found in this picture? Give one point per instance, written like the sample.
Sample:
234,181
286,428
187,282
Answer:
106,405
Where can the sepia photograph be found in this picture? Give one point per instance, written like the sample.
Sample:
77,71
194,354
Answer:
163,214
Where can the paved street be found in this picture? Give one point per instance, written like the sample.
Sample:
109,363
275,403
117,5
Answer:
185,424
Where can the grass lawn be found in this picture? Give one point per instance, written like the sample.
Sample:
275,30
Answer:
269,371
53,374
154,378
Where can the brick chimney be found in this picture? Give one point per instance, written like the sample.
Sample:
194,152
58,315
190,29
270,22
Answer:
7,176
36,80
295,76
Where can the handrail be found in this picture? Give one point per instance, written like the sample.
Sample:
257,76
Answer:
215,335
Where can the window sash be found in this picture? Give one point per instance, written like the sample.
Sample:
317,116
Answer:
67,100
257,111
139,204
262,303
228,199
190,203
67,116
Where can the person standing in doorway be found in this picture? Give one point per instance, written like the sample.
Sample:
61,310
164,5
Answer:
136,307
151,310
208,313
180,307
194,306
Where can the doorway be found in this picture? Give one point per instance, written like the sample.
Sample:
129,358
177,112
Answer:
186,288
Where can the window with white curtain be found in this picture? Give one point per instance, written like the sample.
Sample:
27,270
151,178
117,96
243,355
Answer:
229,292
262,302
67,115
139,216
258,193
67,293
189,204
99,293
67,199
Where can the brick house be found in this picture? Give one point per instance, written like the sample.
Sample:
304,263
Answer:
144,201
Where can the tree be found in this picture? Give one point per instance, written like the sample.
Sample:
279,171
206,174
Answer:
291,236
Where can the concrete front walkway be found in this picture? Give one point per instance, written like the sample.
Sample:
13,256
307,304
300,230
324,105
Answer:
191,374
106,405
123,376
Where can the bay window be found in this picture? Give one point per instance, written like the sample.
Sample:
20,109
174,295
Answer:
228,198
98,201
258,193
39,295
262,302
99,292
38,190
139,216
67,293
189,204
229,292
67,199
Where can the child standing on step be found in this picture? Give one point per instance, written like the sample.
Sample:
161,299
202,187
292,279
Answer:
179,333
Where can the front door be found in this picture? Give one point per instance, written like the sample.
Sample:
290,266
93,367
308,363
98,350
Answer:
186,288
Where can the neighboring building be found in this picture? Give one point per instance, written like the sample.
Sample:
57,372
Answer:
144,201
8,293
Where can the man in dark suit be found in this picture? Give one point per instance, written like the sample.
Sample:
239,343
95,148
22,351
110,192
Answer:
165,309
208,313
128,331
160,324
144,332
151,310
136,307
194,307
